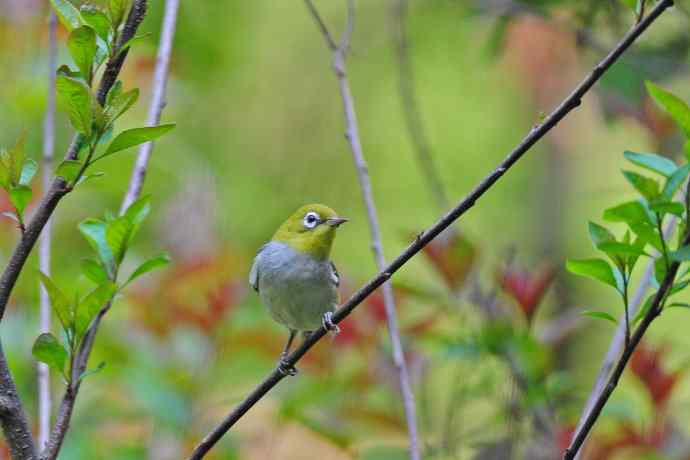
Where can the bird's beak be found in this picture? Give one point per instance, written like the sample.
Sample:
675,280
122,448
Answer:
336,221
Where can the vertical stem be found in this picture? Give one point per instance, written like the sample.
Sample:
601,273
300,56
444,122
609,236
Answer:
44,402
159,85
410,104
352,135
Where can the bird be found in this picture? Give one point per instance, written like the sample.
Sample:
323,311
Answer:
294,276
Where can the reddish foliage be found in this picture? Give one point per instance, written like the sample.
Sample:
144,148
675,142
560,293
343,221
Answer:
646,365
453,256
526,288
197,292
631,438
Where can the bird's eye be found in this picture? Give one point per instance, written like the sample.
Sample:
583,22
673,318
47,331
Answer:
311,219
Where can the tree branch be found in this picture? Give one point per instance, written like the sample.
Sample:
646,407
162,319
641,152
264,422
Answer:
654,311
58,189
409,101
13,418
618,341
44,401
535,134
352,135
14,429
136,182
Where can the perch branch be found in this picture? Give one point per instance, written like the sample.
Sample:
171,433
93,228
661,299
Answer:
535,134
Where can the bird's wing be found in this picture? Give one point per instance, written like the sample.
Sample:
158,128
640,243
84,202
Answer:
335,277
254,272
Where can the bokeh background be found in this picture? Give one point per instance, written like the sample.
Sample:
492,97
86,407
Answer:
500,357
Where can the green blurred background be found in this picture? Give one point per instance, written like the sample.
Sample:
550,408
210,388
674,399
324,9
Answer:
260,132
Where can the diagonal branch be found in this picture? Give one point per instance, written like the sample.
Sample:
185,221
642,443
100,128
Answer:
654,311
352,135
44,401
535,134
159,85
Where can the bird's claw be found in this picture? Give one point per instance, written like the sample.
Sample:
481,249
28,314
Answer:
286,368
328,323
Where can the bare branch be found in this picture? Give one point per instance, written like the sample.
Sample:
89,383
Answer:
158,102
352,135
410,104
535,134
44,401
136,183
322,25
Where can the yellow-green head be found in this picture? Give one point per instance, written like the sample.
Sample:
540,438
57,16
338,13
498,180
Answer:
310,229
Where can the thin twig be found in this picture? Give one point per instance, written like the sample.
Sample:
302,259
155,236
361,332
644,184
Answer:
654,311
535,134
159,84
44,401
352,135
619,339
410,104
158,100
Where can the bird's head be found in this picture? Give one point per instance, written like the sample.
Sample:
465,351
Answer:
311,230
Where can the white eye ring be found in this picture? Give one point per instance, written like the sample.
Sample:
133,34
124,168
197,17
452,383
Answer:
311,219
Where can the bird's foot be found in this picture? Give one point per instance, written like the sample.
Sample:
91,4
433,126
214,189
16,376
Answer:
286,368
328,323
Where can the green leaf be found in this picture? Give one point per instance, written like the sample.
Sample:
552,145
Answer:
678,287
58,301
117,234
13,161
97,19
136,136
648,188
600,315
132,41
675,181
75,97
115,91
68,170
599,234
642,312
621,249
631,213
20,196
653,162
90,306
597,269
82,47
668,207
66,13
117,10
681,255
151,264
94,271
94,231
647,234
28,172
136,213
93,371
673,105
660,269
121,103
47,349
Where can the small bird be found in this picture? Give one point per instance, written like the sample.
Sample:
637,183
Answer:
294,276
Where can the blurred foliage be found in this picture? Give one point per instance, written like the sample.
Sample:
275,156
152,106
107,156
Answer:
493,331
